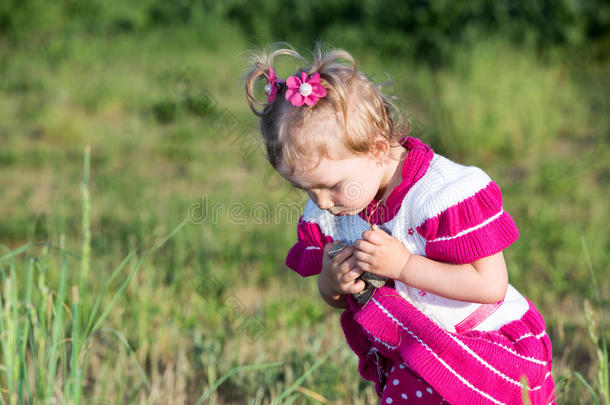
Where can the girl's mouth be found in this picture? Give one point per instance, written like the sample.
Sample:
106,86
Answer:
346,211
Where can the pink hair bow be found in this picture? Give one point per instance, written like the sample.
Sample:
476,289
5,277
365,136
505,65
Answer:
304,90
271,86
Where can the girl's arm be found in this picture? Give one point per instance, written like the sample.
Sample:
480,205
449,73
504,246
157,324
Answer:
484,281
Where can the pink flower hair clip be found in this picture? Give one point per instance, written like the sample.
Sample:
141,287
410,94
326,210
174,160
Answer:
272,85
304,90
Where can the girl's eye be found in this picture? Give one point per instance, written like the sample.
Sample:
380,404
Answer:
336,186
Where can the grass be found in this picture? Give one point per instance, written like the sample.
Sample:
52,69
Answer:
35,358
596,328
89,315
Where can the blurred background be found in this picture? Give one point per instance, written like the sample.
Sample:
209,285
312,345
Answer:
154,89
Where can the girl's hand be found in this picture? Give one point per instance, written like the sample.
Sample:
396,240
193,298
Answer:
338,276
381,254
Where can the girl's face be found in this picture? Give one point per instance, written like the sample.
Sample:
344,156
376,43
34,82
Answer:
343,184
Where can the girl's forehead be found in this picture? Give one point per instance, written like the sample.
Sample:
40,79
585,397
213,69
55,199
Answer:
304,167
314,172
316,168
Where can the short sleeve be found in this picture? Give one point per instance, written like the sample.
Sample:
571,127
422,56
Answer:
472,228
305,257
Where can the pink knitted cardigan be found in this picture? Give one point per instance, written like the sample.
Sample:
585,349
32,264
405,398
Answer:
460,226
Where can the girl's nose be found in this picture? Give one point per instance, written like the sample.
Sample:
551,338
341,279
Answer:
325,204
323,201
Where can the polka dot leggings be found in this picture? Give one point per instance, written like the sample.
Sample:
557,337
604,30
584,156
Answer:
402,387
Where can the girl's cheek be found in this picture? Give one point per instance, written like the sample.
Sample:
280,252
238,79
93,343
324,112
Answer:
353,195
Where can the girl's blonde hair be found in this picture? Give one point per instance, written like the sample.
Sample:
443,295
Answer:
362,111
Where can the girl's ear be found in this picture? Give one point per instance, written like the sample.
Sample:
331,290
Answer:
380,150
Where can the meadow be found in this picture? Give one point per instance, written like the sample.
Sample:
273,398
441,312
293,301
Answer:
143,234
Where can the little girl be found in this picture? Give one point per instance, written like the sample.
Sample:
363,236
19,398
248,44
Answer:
447,327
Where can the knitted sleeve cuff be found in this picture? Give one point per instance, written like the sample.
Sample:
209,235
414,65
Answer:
474,228
305,257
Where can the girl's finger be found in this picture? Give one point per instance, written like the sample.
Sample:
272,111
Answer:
373,237
344,254
356,287
365,246
327,247
381,232
362,257
347,265
364,266
352,275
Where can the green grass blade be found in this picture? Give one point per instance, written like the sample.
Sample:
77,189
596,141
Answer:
123,340
588,387
25,333
4,331
115,297
40,331
167,237
58,328
78,338
15,252
233,371
603,366
306,374
604,377
85,226
118,293
15,332
101,294
291,399
74,382
591,272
